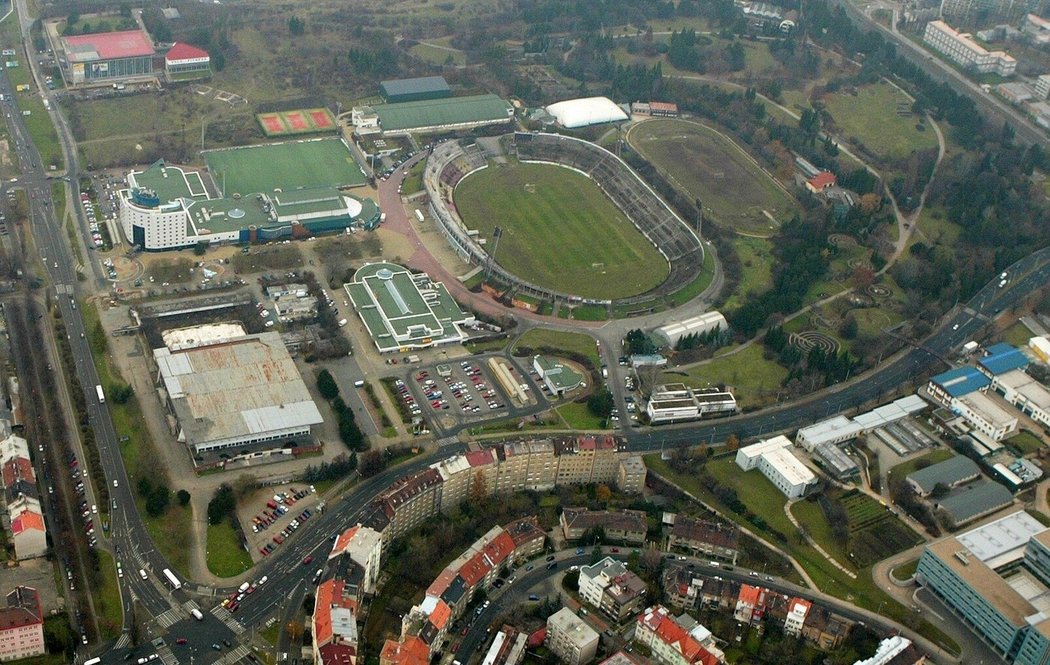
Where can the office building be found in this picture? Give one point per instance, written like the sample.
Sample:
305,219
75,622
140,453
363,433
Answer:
995,578
777,462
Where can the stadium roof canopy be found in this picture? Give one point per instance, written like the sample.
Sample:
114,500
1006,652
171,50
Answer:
108,45
586,111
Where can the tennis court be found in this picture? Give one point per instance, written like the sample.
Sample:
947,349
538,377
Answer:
286,166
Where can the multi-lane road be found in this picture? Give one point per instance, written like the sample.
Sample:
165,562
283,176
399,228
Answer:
129,539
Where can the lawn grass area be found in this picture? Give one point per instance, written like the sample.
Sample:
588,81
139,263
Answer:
413,181
1018,334
753,379
908,466
934,228
226,557
173,271
38,122
171,531
906,570
765,501
268,257
551,218
578,416
811,516
485,346
756,260
707,165
437,55
1025,443
107,597
590,312
870,117
272,633
573,342
872,320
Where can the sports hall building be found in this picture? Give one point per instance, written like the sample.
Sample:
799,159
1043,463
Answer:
404,311
165,207
108,56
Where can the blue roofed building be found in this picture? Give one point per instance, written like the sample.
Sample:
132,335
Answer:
1002,358
957,382
964,391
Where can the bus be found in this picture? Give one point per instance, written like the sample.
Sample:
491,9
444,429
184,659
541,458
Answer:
93,661
101,395
419,214
172,580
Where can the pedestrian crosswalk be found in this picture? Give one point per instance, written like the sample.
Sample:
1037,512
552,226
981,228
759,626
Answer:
124,641
223,615
234,656
170,618
166,656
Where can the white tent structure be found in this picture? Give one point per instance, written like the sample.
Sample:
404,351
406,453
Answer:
586,111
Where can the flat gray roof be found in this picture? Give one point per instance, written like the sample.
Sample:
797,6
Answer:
241,388
974,500
949,472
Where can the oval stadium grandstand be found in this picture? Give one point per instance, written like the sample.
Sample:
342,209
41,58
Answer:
671,236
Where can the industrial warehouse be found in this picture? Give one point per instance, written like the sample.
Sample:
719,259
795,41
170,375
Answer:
235,393
166,207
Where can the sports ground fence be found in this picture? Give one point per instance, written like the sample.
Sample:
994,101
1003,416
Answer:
673,238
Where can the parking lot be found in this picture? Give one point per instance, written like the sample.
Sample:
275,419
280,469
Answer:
465,389
280,512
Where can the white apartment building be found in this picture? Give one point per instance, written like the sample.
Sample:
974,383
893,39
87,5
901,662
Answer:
570,638
960,48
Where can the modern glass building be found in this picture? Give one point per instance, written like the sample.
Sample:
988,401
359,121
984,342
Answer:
995,579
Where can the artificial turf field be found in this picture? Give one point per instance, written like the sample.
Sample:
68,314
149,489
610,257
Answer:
715,170
559,231
287,166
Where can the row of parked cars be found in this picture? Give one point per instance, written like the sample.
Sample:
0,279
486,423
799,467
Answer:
266,549
89,210
86,512
277,507
406,396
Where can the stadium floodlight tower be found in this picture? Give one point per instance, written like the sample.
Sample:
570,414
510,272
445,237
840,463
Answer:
497,233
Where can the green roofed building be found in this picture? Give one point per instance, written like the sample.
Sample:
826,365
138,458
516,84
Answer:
433,115
404,311
166,207
557,376
414,90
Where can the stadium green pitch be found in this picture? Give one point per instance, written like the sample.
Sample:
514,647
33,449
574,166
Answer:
287,166
560,231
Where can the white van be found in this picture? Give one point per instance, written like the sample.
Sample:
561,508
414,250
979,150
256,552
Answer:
142,574
359,384
342,322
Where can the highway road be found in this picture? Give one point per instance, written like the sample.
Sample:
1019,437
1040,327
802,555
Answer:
131,543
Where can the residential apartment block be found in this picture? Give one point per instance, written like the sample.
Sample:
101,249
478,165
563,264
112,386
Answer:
570,638
671,644
21,625
447,596
960,48
609,586
717,540
536,465
620,526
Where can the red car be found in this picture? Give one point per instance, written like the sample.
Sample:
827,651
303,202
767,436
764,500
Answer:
307,560
180,640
